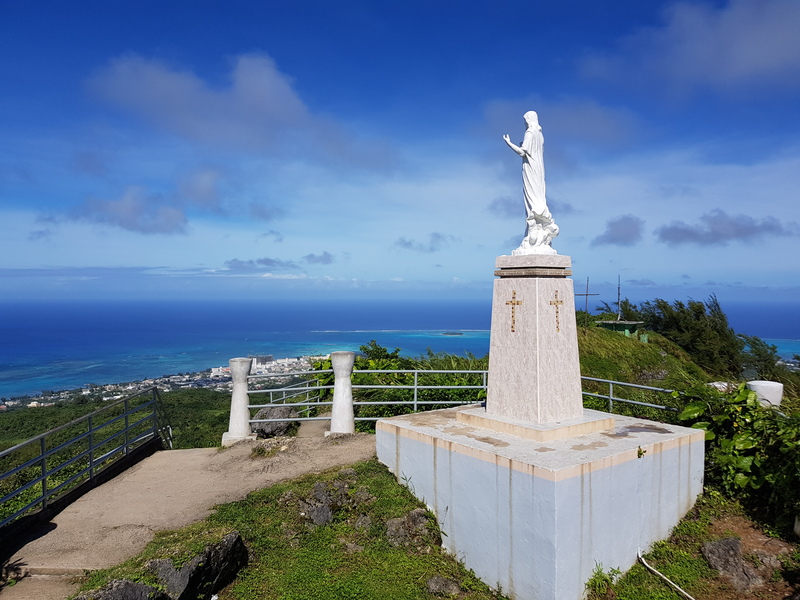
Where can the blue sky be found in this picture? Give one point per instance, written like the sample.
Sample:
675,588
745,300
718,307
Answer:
277,150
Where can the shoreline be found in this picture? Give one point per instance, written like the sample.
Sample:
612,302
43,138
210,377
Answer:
787,347
216,378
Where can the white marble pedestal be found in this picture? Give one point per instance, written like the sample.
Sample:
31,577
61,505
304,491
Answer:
534,518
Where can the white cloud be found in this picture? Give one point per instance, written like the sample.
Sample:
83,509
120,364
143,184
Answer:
253,112
135,210
625,230
718,228
436,241
745,44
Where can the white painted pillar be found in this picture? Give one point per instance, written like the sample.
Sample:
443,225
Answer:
342,417
770,393
239,423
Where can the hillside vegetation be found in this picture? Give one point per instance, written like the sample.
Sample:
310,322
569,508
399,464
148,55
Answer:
660,363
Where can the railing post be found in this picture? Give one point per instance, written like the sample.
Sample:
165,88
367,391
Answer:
43,462
156,433
416,382
239,423
91,448
610,397
342,417
127,424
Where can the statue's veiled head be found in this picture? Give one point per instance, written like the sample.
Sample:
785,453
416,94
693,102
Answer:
532,119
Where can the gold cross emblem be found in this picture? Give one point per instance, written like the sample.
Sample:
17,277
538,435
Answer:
557,303
513,303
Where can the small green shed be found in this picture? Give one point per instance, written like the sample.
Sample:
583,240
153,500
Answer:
626,328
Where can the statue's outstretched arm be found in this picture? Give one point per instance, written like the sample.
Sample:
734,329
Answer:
513,146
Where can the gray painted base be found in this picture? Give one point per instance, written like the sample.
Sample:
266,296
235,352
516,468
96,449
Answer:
534,519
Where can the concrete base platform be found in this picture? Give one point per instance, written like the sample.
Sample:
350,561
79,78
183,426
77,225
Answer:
590,422
534,518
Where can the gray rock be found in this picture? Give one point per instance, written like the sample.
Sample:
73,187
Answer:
325,500
206,573
442,586
412,530
265,430
349,474
768,560
362,496
317,513
725,556
122,589
363,522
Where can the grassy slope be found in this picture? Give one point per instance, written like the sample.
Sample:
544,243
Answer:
659,363
293,560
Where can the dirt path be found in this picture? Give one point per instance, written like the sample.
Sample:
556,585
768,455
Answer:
165,491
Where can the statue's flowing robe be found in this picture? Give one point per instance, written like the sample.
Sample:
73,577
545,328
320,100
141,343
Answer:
533,175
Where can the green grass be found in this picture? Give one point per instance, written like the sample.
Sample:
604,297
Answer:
660,363
293,560
678,558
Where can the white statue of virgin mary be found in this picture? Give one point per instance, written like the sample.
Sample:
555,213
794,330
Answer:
540,227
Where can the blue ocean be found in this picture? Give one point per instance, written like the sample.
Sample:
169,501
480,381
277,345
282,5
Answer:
65,345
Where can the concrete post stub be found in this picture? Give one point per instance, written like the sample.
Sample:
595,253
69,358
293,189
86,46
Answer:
239,423
342,417
770,393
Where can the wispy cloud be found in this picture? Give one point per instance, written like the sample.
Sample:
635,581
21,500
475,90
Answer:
275,235
136,210
436,241
325,258
258,111
750,44
718,228
39,234
252,112
625,230
259,264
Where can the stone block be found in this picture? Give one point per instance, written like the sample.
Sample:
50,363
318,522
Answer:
535,518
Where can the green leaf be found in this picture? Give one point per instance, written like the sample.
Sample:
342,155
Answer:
741,480
744,441
692,411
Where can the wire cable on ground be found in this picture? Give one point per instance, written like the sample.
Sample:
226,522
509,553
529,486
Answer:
664,577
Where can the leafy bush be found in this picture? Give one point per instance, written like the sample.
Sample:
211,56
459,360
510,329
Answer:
753,452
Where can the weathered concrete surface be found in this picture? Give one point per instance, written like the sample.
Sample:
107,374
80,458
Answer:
535,518
165,491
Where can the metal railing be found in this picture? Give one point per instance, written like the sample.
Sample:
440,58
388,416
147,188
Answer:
314,392
48,466
611,398
305,396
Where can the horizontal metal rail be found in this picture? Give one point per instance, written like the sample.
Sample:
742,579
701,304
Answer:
301,388
137,423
